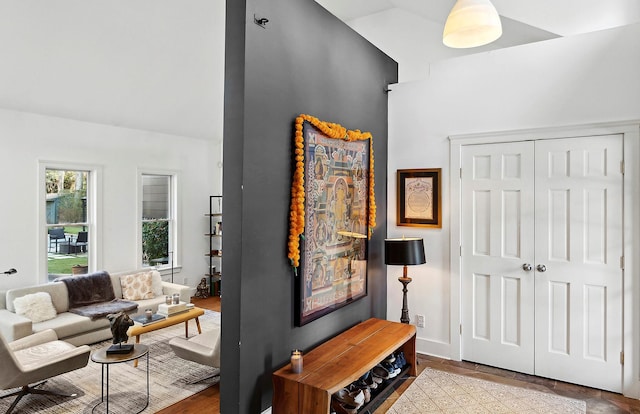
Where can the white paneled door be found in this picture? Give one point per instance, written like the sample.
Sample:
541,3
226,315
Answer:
497,240
542,258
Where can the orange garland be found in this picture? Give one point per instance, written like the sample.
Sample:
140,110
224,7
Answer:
296,214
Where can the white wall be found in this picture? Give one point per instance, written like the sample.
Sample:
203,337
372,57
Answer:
576,80
156,65
26,139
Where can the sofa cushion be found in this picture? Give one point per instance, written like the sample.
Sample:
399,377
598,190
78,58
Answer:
136,286
57,291
67,324
35,306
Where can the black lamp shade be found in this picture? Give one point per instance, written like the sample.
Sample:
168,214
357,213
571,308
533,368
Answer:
405,251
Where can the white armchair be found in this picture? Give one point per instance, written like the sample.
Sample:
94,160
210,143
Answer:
203,349
35,358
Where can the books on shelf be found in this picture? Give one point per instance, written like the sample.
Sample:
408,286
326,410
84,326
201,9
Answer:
143,320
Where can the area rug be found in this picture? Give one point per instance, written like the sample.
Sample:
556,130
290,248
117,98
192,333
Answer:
435,391
170,379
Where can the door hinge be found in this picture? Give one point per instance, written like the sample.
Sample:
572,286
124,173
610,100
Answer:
622,262
622,167
461,173
461,329
460,250
622,358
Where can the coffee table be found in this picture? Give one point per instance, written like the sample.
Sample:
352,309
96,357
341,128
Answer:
193,313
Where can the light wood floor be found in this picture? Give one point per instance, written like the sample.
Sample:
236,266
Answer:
208,401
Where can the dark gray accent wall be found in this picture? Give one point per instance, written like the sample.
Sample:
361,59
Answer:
303,61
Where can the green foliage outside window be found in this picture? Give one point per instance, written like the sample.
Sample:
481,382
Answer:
155,240
70,208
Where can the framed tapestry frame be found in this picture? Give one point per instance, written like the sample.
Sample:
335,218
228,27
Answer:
419,198
332,214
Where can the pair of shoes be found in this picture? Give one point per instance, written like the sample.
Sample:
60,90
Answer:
367,380
379,372
351,396
366,391
392,368
385,370
400,360
340,408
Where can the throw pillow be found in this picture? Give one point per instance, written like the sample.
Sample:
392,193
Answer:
35,306
137,286
156,283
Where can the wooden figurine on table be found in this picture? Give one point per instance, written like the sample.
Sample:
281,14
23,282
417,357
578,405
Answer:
202,291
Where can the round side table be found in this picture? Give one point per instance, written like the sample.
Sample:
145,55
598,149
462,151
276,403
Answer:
101,357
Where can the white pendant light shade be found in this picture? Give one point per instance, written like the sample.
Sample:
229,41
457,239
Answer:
472,23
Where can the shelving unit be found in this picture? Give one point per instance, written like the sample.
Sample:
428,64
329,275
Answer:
214,273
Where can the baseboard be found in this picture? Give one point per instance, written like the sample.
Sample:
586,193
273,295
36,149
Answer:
267,411
435,348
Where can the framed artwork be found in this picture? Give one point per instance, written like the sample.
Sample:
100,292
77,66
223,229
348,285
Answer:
419,199
335,209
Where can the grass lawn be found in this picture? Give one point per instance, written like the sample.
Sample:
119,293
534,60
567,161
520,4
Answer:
73,229
63,266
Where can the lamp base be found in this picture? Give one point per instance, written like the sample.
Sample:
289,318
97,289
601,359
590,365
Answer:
404,317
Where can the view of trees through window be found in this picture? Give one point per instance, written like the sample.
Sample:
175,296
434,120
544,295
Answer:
156,219
67,225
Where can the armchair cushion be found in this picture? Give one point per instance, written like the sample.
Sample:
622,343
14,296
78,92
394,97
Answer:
35,306
36,358
203,349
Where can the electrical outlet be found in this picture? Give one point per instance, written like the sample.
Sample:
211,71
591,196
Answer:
420,321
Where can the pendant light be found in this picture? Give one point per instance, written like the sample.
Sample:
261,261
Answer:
472,23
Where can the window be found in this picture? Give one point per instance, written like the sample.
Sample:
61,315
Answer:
67,221
158,219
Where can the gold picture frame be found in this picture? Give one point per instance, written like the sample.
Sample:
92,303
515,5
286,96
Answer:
419,198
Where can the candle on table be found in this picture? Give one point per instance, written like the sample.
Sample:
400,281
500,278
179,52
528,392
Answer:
296,361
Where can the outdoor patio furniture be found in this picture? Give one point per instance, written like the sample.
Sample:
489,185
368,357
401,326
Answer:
55,235
79,245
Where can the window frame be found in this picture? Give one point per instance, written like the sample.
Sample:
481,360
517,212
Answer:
174,222
93,219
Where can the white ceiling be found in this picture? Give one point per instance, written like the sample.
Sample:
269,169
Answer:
524,21
158,65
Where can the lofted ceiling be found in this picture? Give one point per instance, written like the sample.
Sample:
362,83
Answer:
158,65
524,21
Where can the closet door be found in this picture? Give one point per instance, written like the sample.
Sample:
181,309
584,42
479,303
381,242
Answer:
578,255
542,245
497,252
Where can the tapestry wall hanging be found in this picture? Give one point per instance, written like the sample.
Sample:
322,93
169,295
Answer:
332,216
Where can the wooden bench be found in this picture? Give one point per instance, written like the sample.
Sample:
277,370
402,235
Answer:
339,362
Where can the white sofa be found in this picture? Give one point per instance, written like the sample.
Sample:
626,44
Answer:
71,327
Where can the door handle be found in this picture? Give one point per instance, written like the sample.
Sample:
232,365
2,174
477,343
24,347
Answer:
527,267
541,268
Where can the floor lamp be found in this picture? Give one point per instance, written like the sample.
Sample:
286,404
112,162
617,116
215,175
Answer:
404,252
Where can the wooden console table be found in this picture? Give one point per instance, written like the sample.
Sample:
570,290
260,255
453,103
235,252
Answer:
339,362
